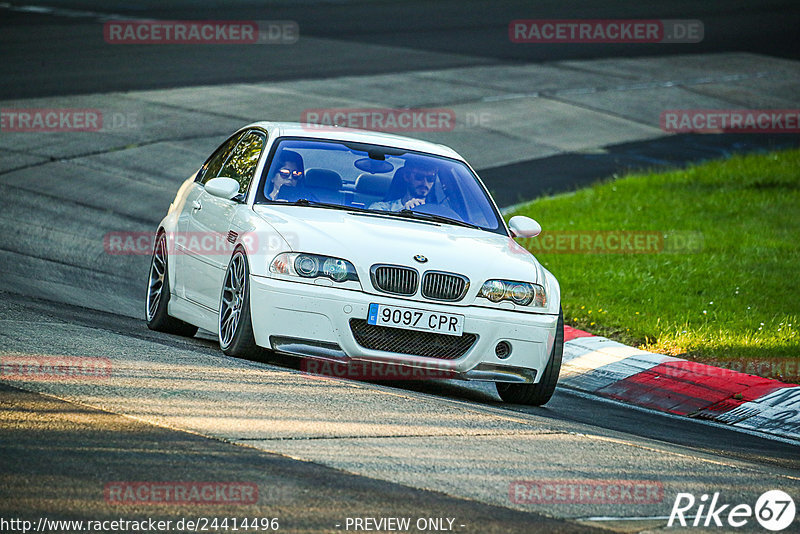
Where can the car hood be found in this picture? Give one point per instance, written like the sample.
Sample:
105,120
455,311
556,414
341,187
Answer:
366,239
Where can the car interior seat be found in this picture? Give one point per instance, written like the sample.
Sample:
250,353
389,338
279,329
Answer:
325,184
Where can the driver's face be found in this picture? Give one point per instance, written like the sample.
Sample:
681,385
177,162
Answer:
289,173
420,182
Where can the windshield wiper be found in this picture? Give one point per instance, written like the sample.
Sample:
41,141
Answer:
407,213
421,215
329,205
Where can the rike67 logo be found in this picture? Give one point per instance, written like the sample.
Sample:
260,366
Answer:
774,510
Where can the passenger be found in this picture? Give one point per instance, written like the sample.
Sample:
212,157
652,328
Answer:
418,177
289,171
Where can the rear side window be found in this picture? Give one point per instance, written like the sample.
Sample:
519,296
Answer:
217,160
242,163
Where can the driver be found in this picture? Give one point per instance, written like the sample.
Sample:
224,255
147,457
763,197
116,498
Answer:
289,172
419,177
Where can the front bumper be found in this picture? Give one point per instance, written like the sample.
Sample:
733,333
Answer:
311,320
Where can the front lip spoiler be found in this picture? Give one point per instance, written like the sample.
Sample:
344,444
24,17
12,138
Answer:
488,372
332,352
307,348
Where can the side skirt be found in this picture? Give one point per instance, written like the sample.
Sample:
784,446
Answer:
193,313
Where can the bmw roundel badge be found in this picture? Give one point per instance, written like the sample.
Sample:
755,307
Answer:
420,258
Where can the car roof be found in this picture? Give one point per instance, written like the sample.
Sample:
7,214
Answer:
296,129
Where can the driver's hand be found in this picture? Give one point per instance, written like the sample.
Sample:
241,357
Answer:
413,203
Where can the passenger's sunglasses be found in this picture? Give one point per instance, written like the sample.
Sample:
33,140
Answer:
286,173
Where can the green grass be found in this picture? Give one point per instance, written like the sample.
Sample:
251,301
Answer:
735,297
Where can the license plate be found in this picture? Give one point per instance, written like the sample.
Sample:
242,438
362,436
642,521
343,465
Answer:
411,319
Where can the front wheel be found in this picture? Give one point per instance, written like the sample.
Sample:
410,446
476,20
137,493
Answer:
235,327
538,394
158,295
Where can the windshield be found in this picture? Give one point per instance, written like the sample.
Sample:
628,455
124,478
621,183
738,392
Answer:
376,178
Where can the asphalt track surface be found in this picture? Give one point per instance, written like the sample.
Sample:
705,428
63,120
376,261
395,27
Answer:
56,455
96,445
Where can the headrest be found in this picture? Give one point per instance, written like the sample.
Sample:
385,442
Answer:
323,179
372,184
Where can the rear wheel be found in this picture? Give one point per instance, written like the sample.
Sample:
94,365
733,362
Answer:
538,394
236,336
158,295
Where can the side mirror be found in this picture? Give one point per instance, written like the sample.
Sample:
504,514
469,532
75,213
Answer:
521,226
226,188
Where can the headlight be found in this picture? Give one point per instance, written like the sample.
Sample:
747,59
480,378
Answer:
337,269
313,266
520,293
493,290
307,266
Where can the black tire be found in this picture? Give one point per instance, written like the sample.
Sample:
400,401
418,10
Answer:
538,394
236,339
158,295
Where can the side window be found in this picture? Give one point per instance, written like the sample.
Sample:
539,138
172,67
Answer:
218,159
241,166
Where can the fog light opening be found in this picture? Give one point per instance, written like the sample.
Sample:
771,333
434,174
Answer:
503,350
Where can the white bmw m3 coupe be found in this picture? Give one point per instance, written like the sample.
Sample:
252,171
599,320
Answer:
350,246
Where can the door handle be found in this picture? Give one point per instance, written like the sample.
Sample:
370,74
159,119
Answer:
196,205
